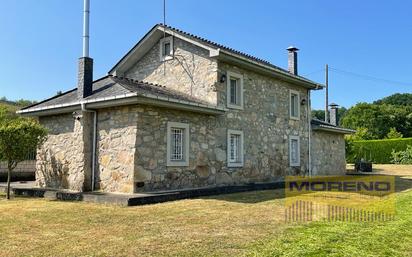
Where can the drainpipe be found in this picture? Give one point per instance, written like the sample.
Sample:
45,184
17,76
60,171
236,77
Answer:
310,134
84,109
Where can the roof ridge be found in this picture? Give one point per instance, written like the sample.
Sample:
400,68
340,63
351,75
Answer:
220,45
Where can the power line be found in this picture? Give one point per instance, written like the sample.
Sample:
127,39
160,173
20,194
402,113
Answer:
313,72
368,77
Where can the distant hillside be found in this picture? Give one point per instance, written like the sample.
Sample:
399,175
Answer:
396,99
8,108
18,104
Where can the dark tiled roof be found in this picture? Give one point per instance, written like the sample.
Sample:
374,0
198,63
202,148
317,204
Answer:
319,124
111,86
229,49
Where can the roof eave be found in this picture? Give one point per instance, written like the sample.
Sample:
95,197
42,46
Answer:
126,99
333,129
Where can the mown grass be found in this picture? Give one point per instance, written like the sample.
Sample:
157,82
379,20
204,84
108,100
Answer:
241,224
223,225
389,238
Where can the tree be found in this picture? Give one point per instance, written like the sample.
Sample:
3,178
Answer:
396,99
18,137
393,133
379,119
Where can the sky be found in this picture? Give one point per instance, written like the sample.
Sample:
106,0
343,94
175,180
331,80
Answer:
366,43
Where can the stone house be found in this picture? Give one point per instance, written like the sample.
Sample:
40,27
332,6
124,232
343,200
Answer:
179,111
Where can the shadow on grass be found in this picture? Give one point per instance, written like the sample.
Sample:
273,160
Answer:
252,197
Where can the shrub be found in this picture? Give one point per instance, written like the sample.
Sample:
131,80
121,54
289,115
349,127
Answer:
393,133
377,151
402,157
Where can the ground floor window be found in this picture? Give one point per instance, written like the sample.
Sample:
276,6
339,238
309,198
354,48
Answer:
177,144
294,151
235,148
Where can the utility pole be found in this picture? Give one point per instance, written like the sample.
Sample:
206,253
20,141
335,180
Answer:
326,92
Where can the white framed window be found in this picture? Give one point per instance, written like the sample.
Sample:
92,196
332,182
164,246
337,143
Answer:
294,105
294,151
166,48
234,92
177,144
234,148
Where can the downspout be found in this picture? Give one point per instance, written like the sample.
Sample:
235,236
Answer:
84,109
310,134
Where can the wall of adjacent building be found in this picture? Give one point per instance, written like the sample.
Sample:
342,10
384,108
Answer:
328,153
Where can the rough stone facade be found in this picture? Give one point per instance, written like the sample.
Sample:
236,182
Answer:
328,153
116,149
64,160
191,70
132,140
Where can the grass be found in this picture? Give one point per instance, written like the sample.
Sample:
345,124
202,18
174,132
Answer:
390,238
249,224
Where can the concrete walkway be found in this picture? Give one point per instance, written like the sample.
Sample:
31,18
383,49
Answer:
29,189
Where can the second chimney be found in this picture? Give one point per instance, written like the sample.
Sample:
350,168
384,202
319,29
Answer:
333,114
293,59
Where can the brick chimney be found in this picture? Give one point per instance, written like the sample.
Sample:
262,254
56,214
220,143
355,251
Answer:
85,77
293,59
333,114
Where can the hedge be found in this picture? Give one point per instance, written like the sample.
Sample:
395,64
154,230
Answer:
377,151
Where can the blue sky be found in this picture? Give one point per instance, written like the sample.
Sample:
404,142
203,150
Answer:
41,40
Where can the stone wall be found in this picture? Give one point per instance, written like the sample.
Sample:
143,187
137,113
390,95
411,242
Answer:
328,153
24,166
266,123
61,160
116,149
191,70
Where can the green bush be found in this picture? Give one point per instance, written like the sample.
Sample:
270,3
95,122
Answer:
376,151
402,157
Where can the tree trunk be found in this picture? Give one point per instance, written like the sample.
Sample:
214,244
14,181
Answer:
8,182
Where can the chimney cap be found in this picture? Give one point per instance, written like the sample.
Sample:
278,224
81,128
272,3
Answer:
333,105
292,49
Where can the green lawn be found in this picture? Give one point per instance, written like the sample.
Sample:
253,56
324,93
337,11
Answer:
250,224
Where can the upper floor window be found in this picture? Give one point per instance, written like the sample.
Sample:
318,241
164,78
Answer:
177,144
234,148
166,48
294,151
294,105
234,90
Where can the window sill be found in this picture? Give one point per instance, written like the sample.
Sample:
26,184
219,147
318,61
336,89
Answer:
235,164
237,107
177,164
166,58
294,118
294,165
